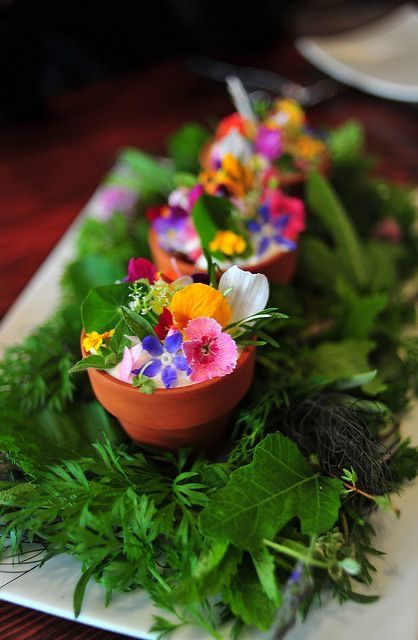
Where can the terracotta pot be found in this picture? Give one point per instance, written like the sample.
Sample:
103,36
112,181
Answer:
279,268
196,415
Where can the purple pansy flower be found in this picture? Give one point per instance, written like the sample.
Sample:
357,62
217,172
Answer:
167,358
269,229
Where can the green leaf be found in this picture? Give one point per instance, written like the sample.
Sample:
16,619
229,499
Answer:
92,271
356,380
49,437
137,323
318,263
326,205
247,598
119,340
102,309
153,178
80,589
90,362
260,498
185,145
346,142
265,567
212,214
358,313
212,571
339,360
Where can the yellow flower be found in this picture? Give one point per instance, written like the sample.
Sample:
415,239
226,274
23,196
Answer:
235,176
229,243
94,340
199,300
309,149
287,114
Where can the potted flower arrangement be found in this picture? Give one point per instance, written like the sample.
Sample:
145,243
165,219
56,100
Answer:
171,358
275,131
235,208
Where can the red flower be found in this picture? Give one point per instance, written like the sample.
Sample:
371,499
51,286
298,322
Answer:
234,121
153,213
165,323
141,268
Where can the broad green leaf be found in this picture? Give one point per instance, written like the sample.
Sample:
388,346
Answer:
339,360
102,308
92,271
324,202
260,498
154,178
247,598
90,362
185,145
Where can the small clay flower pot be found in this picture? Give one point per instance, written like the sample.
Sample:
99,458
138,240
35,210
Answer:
280,268
196,415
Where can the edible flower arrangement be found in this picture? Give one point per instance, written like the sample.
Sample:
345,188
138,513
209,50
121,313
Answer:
235,208
280,517
170,332
174,332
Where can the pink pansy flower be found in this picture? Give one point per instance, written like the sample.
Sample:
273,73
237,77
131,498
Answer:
141,268
268,142
210,352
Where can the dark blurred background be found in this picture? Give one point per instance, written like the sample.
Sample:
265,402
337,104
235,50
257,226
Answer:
47,47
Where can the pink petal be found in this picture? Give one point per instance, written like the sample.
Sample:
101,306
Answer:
125,366
198,328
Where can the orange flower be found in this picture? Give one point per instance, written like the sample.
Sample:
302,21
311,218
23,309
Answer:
235,176
199,300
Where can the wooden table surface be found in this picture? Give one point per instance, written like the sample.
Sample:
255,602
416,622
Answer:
49,169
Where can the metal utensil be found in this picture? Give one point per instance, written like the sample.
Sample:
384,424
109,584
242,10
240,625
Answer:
254,78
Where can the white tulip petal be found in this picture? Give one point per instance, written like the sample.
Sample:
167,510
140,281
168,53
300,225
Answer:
249,292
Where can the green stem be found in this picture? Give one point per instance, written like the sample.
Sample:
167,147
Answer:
292,553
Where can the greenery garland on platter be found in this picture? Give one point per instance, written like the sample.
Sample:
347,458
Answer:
254,536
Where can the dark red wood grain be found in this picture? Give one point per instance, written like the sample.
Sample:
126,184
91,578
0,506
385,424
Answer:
49,169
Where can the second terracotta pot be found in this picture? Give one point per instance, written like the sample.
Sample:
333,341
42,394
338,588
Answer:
196,415
279,268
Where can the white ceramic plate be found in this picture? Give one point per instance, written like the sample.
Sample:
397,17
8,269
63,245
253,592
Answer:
50,588
380,58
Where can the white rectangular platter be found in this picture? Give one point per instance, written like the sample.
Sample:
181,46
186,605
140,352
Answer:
49,589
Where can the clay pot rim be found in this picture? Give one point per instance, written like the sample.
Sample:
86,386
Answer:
184,390
153,237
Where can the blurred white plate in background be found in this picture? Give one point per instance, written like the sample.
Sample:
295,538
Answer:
380,58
